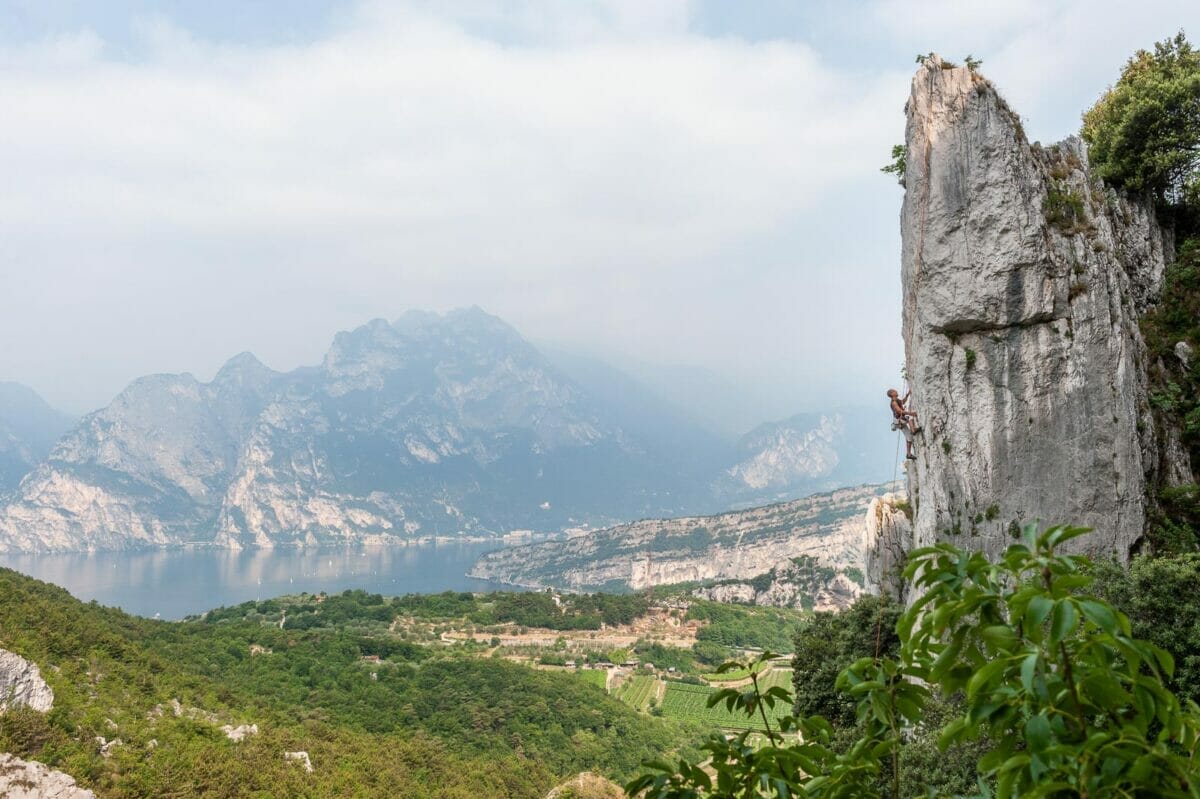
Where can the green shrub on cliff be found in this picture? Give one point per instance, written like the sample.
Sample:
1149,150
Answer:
1144,132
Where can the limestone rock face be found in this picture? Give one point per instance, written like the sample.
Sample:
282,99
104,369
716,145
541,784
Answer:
781,454
887,539
1023,279
823,531
21,684
800,583
23,779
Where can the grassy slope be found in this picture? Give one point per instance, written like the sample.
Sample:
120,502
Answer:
428,724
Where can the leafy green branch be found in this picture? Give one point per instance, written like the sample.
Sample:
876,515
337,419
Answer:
1051,679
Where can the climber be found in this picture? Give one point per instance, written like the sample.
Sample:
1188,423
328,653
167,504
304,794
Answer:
904,420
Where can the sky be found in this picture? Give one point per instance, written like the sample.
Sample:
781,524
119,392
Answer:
676,184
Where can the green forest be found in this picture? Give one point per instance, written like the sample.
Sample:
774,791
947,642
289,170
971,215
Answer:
378,715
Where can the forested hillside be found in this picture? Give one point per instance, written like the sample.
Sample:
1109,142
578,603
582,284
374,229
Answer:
377,714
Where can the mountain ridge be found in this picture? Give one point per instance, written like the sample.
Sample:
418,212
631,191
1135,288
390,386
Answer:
425,426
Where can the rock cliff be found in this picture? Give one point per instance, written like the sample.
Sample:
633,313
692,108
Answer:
1023,281
23,779
886,540
21,684
735,546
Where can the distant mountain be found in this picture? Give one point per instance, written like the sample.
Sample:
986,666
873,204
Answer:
28,429
426,426
730,553
429,425
811,452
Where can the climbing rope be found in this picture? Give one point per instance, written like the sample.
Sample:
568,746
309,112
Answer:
896,461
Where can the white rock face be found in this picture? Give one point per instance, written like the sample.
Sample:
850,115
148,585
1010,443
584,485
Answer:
239,732
25,779
300,757
887,538
785,454
737,545
21,684
789,585
1023,279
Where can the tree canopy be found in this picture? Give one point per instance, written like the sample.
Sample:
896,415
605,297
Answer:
1144,132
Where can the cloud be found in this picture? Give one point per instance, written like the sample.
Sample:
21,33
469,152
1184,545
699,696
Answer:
604,175
580,180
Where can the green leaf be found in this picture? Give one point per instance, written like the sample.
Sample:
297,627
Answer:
1028,672
1037,733
984,676
1100,615
1036,612
1063,620
1000,636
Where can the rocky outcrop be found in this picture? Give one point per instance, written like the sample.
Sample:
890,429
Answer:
23,779
738,545
239,732
301,758
887,539
587,786
1023,280
21,684
782,454
801,583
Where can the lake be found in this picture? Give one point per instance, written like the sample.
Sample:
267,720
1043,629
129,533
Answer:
172,583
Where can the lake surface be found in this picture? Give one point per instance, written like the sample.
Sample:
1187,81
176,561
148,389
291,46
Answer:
173,583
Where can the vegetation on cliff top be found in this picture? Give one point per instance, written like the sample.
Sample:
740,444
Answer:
1144,132
1143,135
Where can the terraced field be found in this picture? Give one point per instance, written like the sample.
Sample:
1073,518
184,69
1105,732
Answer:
636,691
688,702
776,677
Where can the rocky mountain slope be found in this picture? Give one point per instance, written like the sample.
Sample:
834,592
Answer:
22,686
1023,280
426,426
28,429
734,546
810,452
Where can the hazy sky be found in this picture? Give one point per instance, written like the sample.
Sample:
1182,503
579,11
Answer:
691,183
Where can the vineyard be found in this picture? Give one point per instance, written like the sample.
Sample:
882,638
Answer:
689,702
637,690
776,677
594,677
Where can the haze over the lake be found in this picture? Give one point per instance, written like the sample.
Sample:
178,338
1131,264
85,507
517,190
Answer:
660,182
